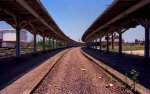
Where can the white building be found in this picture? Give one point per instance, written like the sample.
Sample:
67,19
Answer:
8,38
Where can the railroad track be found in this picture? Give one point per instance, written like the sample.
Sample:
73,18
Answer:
76,74
58,61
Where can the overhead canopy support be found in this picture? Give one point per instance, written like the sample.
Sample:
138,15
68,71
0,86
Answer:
53,43
18,28
145,22
49,43
107,38
112,41
35,45
43,43
100,44
95,43
147,43
120,44
17,42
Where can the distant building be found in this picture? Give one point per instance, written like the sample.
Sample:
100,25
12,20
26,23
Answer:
8,38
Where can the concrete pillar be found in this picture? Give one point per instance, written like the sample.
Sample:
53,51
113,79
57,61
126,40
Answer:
43,43
120,44
17,42
147,41
35,46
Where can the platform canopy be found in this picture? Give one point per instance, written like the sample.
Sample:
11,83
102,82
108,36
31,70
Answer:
121,14
30,15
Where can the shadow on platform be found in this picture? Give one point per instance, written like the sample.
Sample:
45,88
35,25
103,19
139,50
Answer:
12,68
124,64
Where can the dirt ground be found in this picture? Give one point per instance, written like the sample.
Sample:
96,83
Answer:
137,52
75,74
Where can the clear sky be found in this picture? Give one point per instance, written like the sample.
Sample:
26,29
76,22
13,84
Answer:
75,16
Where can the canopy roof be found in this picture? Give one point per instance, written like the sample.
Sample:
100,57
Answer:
33,17
120,14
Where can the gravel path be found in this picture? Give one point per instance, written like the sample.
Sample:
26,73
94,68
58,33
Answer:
75,74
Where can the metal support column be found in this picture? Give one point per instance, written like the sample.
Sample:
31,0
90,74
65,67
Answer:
120,44
49,43
146,48
43,43
17,42
112,41
56,44
107,38
93,44
100,44
96,44
35,46
53,44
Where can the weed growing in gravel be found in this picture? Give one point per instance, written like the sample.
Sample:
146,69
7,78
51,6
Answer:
134,75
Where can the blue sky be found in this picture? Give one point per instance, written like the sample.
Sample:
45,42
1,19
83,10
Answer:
75,16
